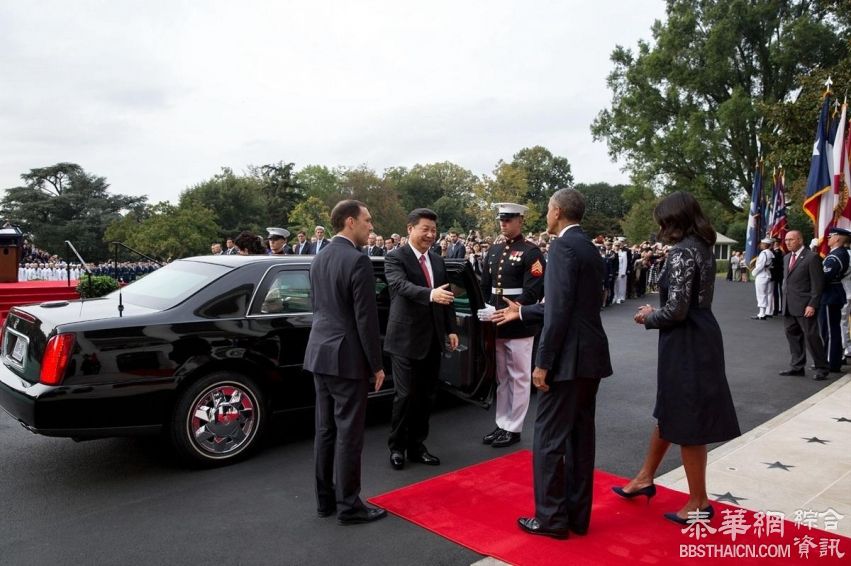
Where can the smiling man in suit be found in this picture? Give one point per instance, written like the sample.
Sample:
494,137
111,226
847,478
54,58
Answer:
803,281
343,352
421,319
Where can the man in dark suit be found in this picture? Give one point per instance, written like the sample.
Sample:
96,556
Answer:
420,320
343,352
456,248
803,281
301,246
371,249
573,355
319,242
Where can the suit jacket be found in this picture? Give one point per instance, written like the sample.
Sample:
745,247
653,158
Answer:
415,323
456,250
803,284
344,337
573,344
305,248
313,245
374,252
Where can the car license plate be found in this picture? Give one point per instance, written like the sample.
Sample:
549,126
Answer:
18,350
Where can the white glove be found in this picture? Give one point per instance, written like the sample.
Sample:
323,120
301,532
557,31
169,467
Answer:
486,313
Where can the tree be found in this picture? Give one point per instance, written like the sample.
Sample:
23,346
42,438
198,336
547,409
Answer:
378,195
638,224
321,182
63,202
237,202
508,184
175,231
444,187
280,190
689,110
309,213
545,174
605,208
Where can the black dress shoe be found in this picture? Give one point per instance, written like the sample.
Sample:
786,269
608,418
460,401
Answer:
490,437
706,514
820,377
397,460
792,372
326,512
506,439
424,458
365,515
532,526
756,317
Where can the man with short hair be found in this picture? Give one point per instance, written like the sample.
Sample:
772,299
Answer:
371,248
231,248
456,248
216,248
320,241
573,356
762,279
421,319
302,246
343,352
837,268
804,280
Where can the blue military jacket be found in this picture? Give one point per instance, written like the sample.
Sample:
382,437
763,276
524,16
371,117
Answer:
835,266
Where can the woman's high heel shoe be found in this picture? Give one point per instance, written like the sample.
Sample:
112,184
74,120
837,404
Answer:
706,514
648,491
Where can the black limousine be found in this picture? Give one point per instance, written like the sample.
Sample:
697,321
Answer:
202,350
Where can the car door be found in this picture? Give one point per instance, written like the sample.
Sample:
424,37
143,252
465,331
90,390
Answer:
280,316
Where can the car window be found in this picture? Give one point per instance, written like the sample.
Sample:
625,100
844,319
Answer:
171,285
287,293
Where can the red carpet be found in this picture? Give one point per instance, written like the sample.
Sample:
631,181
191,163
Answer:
477,507
26,292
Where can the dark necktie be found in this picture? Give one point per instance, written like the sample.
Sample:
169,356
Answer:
793,260
425,270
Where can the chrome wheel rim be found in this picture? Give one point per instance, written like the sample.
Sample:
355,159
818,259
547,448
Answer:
223,420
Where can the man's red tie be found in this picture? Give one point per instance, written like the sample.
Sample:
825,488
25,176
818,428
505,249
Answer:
792,261
425,269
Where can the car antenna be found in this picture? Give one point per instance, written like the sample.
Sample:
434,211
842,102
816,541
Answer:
118,279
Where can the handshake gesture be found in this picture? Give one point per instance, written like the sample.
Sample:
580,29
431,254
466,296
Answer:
503,316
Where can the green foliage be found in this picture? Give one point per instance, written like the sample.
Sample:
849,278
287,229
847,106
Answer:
545,173
309,213
638,224
605,208
63,202
237,202
444,187
378,195
688,110
722,265
96,286
281,192
175,231
508,184
321,182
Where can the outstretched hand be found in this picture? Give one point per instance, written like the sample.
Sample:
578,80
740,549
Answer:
442,295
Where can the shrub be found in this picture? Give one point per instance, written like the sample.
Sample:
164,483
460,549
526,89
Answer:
100,285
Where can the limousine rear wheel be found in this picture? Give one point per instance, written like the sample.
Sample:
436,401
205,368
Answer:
218,419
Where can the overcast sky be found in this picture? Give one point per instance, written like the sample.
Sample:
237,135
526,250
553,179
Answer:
157,96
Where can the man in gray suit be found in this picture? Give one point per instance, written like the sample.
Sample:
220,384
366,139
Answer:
803,281
573,355
343,352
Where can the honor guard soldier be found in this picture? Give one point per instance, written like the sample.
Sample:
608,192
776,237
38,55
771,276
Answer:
513,269
278,241
762,280
837,268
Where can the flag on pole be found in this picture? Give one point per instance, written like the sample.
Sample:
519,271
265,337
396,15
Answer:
756,225
778,224
841,176
818,202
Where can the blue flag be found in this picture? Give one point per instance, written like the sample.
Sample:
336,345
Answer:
756,225
819,200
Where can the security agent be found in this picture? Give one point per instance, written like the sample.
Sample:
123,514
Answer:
837,268
278,241
514,270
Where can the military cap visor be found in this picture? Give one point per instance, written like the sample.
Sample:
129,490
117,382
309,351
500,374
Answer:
840,232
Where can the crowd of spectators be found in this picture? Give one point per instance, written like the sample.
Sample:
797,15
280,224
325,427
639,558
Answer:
40,265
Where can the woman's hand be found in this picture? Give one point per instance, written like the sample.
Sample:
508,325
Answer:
642,314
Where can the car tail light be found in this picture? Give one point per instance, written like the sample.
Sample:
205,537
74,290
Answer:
55,359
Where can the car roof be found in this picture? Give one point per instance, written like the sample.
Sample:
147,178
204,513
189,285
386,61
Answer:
235,261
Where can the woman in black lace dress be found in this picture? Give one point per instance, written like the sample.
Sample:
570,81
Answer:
693,402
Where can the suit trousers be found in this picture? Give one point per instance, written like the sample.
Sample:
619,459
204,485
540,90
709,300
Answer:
800,332
340,418
563,454
415,382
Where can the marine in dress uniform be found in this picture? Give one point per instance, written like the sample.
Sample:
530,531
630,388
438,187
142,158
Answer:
833,298
278,241
762,279
513,269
